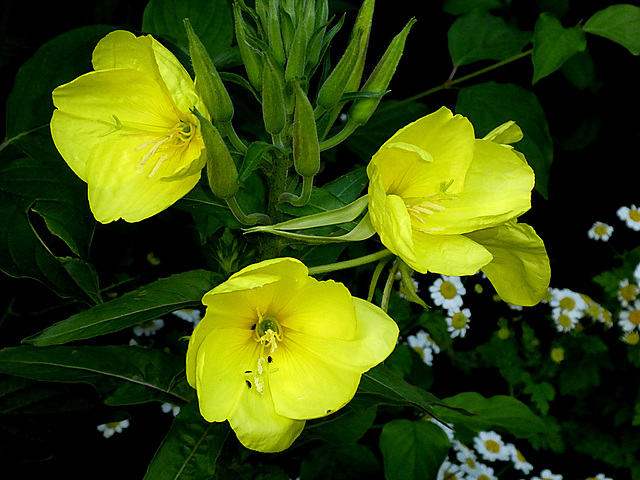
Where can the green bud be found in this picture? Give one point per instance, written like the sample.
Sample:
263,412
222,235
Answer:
251,59
297,58
362,24
274,110
221,169
316,40
273,31
306,150
210,86
379,80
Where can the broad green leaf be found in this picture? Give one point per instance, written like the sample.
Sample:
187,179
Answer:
491,104
553,45
349,186
147,373
499,412
459,7
211,20
58,61
479,35
190,449
343,462
618,23
344,427
146,303
252,158
412,450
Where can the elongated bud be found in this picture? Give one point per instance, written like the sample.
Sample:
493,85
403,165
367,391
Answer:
336,83
316,40
297,59
274,110
306,150
362,24
273,31
221,169
378,81
251,59
210,86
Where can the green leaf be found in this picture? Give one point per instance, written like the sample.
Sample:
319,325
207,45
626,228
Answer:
211,21
553,45
349,186
190,449
498,412
148,374
344,427
58,61
458,7
618,23
479,35
491,104
146,303
252,158
412,450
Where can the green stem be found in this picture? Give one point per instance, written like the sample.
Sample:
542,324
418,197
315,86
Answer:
339,137
386,293
230,133
331,267
251,219
375,277
305,194
450,83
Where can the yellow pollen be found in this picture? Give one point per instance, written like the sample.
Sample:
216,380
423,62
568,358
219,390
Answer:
268,333
470,462
634,215
492,446
458,320
483,477
448,290
600,230
634,317
564,321
112,425
632,338
567,303
520,456
628,292
557,355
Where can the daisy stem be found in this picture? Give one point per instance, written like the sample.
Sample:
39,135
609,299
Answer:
331,267
375,277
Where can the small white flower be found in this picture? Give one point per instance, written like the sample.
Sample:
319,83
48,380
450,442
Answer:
458,322
571,303
547,475
464,455
600,231
422,343
519,462
627,292
170,407
563,321
192,315
447,292
630,318
600,476
636,274
481,472
630,216
451,471
631,338
150,327
108,429
490,446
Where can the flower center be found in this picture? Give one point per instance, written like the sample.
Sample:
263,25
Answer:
634,215
564,321
428,205
112,425
520,456
567,303
628,292
268,333
601,230
632,338
459,321
492,446
450,476
634,317
448,290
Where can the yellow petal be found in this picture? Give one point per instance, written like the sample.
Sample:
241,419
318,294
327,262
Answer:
497,188
520,270
258,426
448,254
508,132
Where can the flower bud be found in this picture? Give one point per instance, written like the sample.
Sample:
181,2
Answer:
209,84
316,40
306,150
251,59
274,111
273,31
221,169
378,81
297,58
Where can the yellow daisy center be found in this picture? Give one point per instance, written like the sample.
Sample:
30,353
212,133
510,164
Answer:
600,230
492,446
520,456
469,461
448,290
628,292
459,321
450,476
557,355
634,317
634,215
112,425
567,303
483,477
564,321
632,338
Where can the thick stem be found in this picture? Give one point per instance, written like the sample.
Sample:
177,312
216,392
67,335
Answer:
350,263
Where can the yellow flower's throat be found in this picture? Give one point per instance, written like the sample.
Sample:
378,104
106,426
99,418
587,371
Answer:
268,333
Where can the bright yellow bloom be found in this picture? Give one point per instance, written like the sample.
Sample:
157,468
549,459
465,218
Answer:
447,202
127,128
277,347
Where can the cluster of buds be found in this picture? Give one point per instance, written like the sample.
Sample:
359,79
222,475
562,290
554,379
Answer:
282,44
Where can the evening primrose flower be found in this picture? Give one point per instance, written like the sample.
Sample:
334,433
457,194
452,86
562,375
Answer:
447,202
127,128
277,347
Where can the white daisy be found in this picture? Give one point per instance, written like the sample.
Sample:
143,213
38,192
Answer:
451,471
636,274
458,322
630,318
570,302
170,407
422,343
627,292
481,472
464,455
490,446
447,292
192,315
600,231
631,338
563,321
630,216
519,462
600,476
150,327
108,429
547,475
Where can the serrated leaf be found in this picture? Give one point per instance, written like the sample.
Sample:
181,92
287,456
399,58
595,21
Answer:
146,303
190,449
412,450
211,20
490,104
553,45
148,373
479,35
618,23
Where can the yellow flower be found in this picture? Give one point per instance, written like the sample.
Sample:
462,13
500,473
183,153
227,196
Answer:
127,129
277,347
447,202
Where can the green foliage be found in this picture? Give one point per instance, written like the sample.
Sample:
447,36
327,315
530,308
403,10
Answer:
619,23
